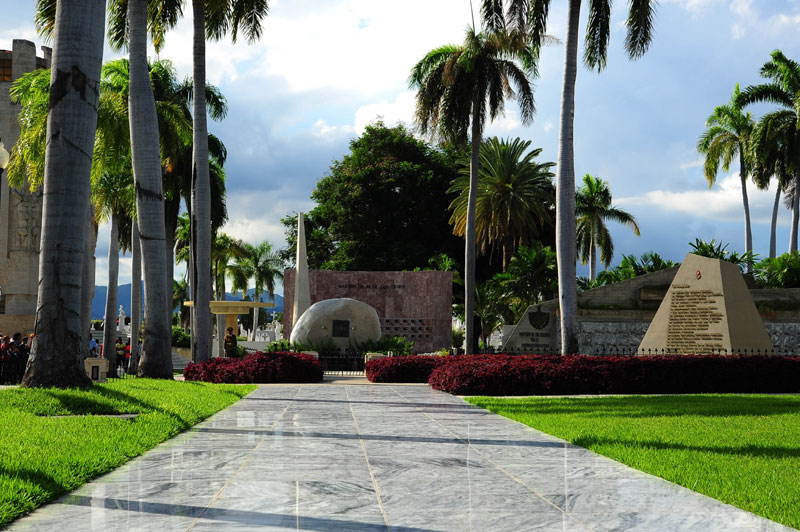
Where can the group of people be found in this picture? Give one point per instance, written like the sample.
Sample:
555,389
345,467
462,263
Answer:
14,351
121,350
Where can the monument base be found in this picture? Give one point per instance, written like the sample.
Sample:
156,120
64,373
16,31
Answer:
17,323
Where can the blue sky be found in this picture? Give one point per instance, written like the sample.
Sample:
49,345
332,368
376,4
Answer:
325,69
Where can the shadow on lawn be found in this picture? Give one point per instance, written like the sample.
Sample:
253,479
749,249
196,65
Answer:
649,406
755,451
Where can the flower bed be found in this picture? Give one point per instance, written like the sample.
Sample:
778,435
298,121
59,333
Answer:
258,368
581,374
403,369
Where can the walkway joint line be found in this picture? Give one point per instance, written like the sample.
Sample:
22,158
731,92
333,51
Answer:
244,463
366,458
498,466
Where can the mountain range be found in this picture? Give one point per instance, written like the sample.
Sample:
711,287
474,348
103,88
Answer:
99,301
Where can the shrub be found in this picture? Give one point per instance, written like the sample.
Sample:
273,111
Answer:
403,369
581,374
257,367
780,272
180,338
398,345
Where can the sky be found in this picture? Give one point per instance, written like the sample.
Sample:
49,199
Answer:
323,70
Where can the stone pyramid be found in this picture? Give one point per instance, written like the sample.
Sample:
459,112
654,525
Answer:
708,309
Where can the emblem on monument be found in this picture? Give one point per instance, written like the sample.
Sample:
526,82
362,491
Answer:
538,319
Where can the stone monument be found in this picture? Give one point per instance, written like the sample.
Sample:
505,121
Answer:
343,321
707,309
535,333
20,210
302,288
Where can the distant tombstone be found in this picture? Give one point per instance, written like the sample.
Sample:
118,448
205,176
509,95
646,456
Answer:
534,334
708,309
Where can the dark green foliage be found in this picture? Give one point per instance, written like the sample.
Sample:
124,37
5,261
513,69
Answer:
780,272
381,207
180,338
714,250
398,345
629,267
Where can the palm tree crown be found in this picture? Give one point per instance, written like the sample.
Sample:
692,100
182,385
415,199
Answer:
515,194
593,208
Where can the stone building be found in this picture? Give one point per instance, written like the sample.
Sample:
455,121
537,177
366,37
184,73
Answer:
20,210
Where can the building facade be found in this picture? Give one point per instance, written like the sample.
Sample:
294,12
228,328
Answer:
20,210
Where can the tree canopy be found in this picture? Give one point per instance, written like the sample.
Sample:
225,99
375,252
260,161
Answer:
383,206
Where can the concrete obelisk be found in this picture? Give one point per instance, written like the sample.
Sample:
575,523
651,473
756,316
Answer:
302,288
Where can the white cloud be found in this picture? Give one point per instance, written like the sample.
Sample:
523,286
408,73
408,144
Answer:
322,129
391,113
547,126
692,164
723,202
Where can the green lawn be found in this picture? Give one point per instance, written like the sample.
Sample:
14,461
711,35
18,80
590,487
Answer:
43,454
741,449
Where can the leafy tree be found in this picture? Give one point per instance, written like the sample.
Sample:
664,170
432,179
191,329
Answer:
264,266
783,89
515,195
727,138
531,278
531,15
383,206
458,88
629,268
593,207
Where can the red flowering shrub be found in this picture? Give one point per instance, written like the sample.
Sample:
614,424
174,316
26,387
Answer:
581,374
257,367
403,369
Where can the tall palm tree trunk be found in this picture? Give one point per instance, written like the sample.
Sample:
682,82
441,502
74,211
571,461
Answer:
774,225
201,195
748,233
87,293
71,123
110,314
565,189
795,215
469,234
136,293
156,359
221,317
593,261
256,293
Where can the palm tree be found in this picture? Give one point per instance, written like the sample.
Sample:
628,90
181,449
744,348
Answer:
726,138
773,144
213,20
112,195
592,208
532,15
265,266
782,89
58,345
468,83
515,194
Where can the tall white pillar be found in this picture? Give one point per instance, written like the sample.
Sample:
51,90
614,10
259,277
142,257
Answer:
302,287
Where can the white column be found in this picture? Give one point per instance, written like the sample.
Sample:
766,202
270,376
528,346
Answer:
302,288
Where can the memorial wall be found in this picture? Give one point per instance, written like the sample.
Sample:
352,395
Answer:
417,305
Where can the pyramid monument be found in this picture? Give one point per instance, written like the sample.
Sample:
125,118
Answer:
708,309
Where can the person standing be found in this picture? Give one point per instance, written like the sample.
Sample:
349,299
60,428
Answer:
230,343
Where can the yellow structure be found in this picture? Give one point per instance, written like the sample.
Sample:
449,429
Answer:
231,309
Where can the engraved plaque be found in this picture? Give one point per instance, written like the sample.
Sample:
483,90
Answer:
341,329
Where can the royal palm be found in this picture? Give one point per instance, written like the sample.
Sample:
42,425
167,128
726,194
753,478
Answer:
592,209
532,16
726,140
459,88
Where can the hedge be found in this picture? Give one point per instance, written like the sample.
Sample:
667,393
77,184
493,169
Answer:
403,369
583,374
257,367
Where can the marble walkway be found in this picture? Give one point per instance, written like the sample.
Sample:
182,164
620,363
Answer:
377,458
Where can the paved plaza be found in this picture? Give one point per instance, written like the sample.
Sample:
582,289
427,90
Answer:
335,457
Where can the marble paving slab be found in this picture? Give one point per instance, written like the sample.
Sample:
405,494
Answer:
378,458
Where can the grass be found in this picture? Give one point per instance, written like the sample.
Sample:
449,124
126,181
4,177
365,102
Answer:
743,450
44,455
